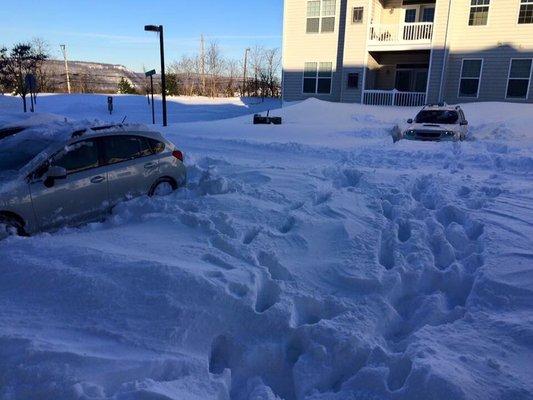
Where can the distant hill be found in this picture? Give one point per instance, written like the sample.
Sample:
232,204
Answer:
89,77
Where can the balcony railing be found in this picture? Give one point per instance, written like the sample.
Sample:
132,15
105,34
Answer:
413,32
394,98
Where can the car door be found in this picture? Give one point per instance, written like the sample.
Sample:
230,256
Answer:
131,166
80,197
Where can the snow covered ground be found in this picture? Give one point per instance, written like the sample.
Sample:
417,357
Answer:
312,260
136,108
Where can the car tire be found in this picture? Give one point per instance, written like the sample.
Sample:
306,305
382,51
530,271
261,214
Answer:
10,226
163,187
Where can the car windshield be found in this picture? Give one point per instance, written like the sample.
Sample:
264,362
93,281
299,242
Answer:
16,154
437,117
17,150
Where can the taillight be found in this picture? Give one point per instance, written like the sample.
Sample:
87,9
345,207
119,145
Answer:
178,154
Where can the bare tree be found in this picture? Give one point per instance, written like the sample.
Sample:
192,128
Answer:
272,58
233,71
42,72
186,70
256,65
215,67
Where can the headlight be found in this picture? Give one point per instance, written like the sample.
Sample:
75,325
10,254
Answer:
410,132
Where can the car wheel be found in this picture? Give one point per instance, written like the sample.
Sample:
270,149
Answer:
163,187
10,227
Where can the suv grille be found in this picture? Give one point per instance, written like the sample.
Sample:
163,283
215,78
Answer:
428,134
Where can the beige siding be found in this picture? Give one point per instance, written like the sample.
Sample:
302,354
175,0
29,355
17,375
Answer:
355,49
497,42
441,40
301,47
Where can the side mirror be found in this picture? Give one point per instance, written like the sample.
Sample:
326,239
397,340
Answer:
464,122
410,121
54,172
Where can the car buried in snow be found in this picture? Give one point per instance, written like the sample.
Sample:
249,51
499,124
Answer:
80,177
437,122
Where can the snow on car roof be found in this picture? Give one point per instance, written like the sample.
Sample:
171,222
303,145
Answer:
445,107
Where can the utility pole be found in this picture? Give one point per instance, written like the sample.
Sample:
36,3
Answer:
244,72
64,51
202,62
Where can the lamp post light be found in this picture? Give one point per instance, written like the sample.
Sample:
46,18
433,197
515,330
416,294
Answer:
159,29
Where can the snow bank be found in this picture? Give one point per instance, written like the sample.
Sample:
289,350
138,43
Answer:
312,260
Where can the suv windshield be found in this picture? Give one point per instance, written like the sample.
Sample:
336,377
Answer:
437,117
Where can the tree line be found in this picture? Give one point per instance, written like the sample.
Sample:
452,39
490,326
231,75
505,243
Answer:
206,73
211,74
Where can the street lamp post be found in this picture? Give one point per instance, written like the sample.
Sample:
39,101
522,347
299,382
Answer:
159,29
244,72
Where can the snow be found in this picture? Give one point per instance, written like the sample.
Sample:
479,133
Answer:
314,260
136,108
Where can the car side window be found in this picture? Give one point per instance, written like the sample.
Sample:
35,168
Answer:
156,146
77,157
123,148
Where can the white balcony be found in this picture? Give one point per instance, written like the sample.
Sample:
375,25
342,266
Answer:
405,36
394,98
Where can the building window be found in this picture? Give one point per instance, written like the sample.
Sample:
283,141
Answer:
357,16
479,12
321,16
519,78
470,78
317,77
525,16
353,81
313,16
428,14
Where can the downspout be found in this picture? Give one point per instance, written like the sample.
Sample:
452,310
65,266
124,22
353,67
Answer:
445,59
283,44
369,21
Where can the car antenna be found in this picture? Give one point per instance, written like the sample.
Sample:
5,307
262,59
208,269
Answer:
124,119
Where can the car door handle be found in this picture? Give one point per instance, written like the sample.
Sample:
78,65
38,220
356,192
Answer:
97,179
150,165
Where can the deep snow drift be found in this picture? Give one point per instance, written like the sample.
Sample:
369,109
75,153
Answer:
313,260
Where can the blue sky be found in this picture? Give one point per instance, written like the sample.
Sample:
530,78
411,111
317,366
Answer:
112,30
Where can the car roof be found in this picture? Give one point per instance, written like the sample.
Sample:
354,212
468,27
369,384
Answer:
441,106
91,132
112,130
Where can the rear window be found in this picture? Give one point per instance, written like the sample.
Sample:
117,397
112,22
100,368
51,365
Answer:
124,148
437,117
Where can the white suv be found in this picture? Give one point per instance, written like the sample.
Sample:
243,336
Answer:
437,122
80,177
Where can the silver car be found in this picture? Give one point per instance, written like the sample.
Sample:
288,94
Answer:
437,122
82,178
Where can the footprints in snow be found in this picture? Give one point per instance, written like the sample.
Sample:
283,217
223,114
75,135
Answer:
439,246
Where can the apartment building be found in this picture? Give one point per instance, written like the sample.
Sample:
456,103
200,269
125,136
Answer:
408,52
